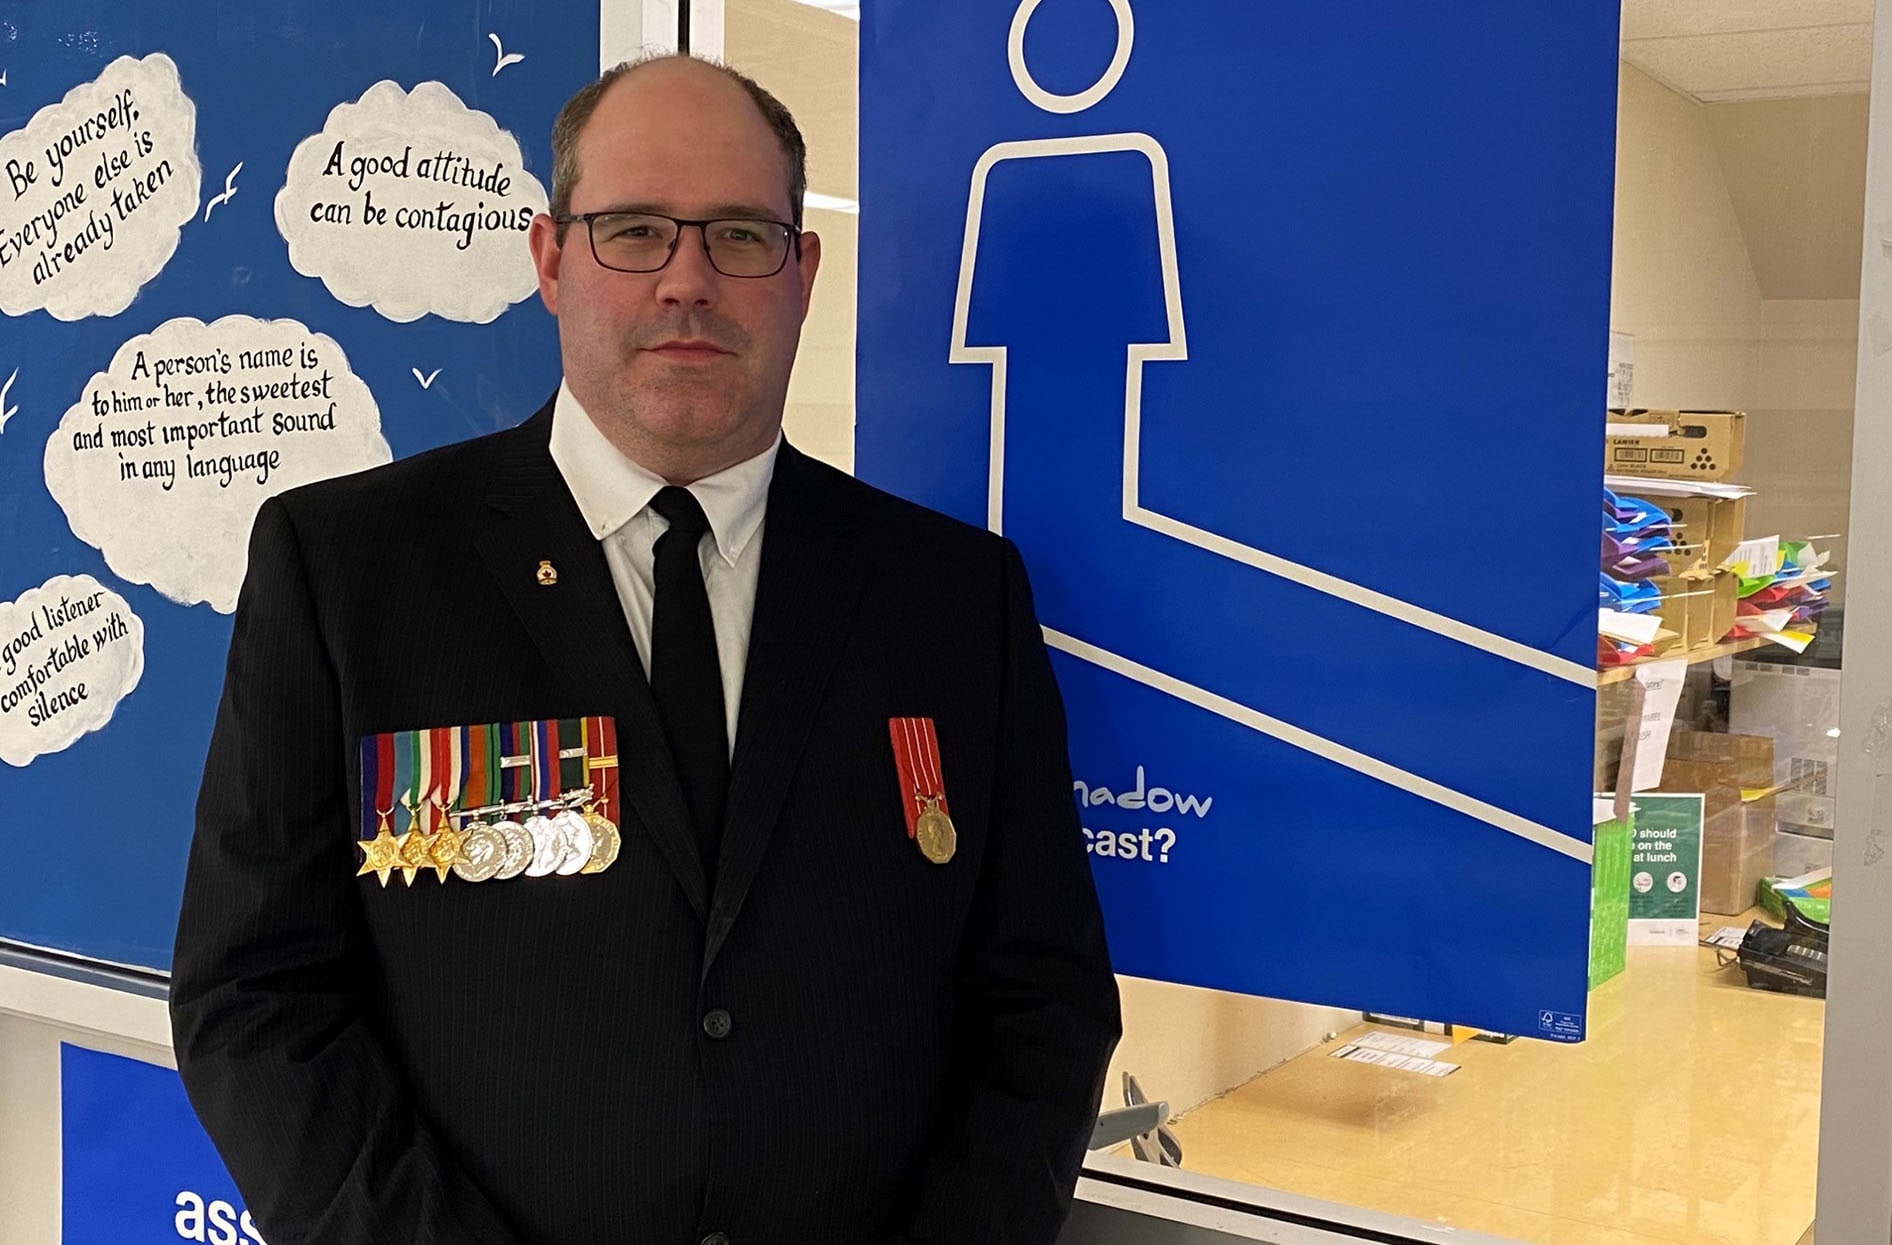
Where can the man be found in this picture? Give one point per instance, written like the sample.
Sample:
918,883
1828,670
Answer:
845,979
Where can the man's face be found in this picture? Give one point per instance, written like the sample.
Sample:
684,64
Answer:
684,364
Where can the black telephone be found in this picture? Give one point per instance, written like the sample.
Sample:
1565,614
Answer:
1790,960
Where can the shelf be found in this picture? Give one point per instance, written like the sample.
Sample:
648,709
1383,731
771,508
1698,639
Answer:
1728,648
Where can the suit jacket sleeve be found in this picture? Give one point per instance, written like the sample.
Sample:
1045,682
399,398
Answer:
1040,999
304,1103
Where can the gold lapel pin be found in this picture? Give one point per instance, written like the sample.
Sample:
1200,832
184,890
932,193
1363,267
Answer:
548,574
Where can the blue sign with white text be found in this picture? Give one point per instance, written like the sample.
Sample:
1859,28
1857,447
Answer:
136,1165
1273,334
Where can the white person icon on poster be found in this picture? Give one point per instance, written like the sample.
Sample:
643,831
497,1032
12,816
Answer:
1065,295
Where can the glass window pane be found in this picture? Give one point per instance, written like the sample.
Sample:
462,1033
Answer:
1691,1114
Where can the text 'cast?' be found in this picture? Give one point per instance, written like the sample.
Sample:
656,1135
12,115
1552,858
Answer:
1152,844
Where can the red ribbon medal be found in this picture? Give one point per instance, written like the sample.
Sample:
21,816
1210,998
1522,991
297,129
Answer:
923,787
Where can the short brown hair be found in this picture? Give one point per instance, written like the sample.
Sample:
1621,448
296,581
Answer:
578,109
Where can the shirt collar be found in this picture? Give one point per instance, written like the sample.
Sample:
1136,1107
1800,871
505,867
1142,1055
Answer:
611,490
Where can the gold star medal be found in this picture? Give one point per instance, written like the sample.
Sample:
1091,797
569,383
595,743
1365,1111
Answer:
381,854
444,851
415,847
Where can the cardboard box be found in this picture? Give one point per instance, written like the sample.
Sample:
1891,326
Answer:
1707,531
1724,604
1741,760
1798,707
1679,445
1700,608
1737,834
1677,597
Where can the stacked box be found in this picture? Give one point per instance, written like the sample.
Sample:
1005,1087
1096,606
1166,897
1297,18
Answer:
1737,833
1676,445
1707,531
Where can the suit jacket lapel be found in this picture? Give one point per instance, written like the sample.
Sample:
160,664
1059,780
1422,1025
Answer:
578,627
809,588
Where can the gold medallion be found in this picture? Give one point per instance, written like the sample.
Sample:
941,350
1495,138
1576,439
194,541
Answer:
547,574
381,854
415,847
935,834
605,843
444,852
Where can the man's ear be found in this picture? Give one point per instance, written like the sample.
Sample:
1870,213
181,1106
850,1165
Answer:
810,263
547,256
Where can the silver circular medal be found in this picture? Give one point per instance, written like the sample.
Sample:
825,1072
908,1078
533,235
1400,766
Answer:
519,848
548,845
578,842
482,852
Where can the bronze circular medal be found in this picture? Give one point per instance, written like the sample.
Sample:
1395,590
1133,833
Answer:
936,836
605,842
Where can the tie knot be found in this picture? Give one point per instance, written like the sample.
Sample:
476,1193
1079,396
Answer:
683,512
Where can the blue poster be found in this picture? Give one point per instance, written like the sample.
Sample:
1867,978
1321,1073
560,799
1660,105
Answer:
241,248
135,1164
1274,335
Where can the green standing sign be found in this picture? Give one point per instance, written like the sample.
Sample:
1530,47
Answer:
1665,871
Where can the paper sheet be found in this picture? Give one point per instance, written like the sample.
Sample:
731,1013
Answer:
1756,559
1386,1059
1798,641
1765,622
1663,683
1630,628
1394,1044
1675,488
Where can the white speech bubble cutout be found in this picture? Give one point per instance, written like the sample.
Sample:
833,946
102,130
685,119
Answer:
413,204
165,458
70,650
95,189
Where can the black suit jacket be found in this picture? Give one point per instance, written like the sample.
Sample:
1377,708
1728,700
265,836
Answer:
917,1051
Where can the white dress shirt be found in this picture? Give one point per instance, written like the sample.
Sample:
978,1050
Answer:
614,495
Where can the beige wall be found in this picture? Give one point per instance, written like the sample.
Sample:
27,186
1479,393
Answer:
1685,285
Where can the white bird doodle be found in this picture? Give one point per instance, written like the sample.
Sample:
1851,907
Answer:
229,190
427,381
505,58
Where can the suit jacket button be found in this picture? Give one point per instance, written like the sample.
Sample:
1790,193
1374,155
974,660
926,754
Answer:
717,1024
716,1238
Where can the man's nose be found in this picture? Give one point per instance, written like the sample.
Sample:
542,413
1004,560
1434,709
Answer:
689,278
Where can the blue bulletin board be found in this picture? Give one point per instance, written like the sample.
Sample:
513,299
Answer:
1274,335
241,246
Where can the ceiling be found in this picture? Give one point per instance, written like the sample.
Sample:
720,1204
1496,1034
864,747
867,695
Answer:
1721,50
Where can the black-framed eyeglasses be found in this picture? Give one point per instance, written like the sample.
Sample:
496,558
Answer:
645,241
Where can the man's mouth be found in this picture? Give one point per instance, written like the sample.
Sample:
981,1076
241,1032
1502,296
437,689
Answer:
685,350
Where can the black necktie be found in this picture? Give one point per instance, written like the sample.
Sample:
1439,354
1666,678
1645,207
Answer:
685,676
